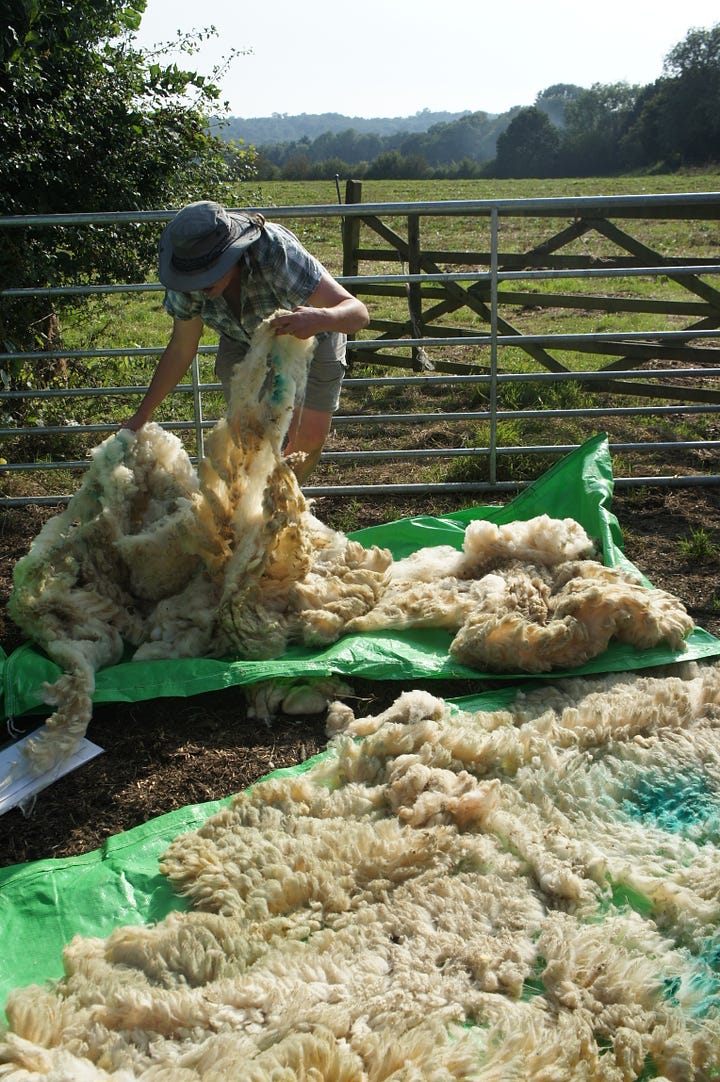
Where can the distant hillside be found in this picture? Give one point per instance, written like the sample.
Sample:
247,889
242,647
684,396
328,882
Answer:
282,128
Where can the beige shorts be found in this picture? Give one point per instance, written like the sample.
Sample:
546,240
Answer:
325,375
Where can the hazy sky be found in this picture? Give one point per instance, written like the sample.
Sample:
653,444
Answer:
395,57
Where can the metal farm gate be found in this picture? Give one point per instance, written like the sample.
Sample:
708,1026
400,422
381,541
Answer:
488,319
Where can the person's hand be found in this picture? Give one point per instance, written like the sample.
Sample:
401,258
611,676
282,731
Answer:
133,423
302,322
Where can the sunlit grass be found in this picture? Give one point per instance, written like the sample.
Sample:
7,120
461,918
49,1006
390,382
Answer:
698,547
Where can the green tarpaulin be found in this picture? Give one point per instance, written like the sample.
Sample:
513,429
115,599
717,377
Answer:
43,904
579,487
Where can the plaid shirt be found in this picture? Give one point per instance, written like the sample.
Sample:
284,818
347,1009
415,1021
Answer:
277,272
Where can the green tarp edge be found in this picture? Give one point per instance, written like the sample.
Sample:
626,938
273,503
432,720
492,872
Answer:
579,486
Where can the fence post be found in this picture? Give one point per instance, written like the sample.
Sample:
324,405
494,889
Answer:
350,244
351,230
493,343
414,291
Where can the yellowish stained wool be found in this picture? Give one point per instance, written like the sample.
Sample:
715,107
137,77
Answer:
179,564
425,903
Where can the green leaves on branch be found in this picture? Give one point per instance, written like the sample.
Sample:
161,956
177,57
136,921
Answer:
90,122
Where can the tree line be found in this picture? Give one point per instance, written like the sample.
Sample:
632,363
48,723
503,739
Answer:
469,141
287,128
605,130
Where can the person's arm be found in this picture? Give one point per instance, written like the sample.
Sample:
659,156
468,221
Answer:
172,366
329,308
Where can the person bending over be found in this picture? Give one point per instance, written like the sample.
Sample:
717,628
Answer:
232,270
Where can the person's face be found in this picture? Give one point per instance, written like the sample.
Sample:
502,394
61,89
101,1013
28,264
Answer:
221,284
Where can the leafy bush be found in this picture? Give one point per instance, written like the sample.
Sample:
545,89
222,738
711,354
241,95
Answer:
89,122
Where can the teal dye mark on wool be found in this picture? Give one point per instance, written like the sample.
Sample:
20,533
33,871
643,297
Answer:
698,993
277,375
705,982
279,387
676,803
671,987
711,952
275,381
707,989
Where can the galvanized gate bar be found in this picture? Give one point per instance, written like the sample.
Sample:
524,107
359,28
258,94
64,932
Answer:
481,289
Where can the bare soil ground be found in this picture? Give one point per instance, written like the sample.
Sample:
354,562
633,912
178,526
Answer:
164,754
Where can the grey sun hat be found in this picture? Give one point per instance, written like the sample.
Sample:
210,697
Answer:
202,243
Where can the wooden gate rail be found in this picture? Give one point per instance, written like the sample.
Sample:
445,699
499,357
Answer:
428,303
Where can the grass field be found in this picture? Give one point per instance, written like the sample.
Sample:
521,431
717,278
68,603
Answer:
326,241
133,320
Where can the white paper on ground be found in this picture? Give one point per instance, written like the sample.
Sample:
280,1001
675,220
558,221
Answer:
18,784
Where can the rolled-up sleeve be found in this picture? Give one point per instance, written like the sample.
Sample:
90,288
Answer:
182,305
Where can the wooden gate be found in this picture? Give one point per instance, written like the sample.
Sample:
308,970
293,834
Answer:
570,252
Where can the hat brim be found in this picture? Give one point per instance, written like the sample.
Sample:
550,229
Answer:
191,281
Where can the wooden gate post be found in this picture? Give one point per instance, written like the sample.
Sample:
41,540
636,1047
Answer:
413,290
351,231
350,245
